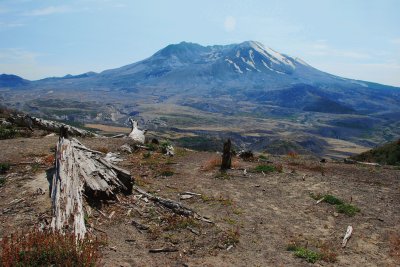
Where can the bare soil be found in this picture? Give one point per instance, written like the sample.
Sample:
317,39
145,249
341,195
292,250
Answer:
255,215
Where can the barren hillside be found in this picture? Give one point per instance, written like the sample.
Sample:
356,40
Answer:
264,212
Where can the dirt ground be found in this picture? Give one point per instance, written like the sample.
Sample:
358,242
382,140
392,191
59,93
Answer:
255,215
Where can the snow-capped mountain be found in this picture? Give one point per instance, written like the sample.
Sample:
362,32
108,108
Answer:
247,71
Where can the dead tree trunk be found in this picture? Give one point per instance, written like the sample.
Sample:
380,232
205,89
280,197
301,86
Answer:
226,156
81,171
52,126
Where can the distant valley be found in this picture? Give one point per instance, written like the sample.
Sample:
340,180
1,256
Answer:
197,95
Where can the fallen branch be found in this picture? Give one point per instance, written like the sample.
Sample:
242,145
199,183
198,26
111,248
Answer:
140,226
159,250
347,236
176,207
351,161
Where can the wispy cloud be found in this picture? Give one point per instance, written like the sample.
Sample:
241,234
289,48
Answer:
50,10
395,41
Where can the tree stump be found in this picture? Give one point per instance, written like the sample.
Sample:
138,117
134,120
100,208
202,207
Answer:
80,171
226,156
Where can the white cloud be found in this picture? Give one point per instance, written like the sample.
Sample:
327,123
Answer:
230,24
48,11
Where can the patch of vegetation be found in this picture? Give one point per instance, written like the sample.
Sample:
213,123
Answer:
341,206
304,253
176,222
151,147
262,157
220,199
35,167
332,200
7,132
223,175
212,163
46,248
387,154
4,167
147,155
347,209
164,145
265,168
2,181
231,237
167,172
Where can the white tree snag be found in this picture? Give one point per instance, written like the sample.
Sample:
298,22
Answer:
81,171
52,126
136,134
347,236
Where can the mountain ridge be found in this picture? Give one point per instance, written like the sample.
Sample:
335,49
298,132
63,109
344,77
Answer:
223,91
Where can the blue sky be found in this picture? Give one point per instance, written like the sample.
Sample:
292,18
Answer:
357,39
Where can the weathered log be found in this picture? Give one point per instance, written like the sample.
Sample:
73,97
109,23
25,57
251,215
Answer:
351,161
82,171
226,156
136,134
47,125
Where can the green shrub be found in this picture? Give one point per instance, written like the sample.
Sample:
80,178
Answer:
264,168
347,209
304,253
332,200
341,206
4,167
7,133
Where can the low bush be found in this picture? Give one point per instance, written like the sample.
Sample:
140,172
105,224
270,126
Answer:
7,132
347,209
45,248
4,167
304,253
341,206
277,167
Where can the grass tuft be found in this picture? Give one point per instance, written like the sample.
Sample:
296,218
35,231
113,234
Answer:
341,206
304,253
347,209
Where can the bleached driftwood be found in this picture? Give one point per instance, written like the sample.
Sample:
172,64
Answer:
347,236
351,161
136,134
82,171
52,126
